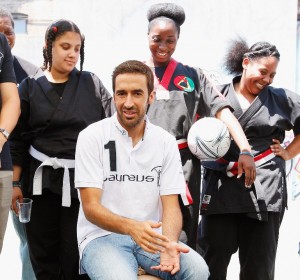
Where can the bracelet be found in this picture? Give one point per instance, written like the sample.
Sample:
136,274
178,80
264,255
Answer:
246,153
4,132
16,184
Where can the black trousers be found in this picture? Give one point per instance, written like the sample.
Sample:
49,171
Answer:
220,236
52,238
190,213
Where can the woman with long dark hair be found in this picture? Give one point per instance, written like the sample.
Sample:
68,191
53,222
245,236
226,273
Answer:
248,220
56,104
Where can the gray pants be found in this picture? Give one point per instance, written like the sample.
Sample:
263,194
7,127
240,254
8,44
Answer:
5,201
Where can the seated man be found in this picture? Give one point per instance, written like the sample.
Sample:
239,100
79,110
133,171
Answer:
129,176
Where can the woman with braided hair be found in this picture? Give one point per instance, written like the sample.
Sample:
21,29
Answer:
56,104
248,220
184,93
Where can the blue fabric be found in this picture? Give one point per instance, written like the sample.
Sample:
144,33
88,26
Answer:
27,270
117,256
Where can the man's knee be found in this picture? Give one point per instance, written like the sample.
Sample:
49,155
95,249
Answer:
193,266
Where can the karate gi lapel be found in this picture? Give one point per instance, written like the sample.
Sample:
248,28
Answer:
253,108
59,105
47,88
258,197
244,117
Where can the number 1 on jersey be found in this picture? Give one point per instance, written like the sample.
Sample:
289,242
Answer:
111,146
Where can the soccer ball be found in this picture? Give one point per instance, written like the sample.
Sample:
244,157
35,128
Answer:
209,139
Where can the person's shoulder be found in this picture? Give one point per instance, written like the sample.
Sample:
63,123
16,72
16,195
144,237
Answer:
37,76
94,128
196,70
223,87
160,133
191,71
85,73
283,93
91,76
276,91
187,68
27,66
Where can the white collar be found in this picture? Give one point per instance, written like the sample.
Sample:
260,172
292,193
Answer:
123,131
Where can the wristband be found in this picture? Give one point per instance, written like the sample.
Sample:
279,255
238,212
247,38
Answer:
16,184
246,153
4,132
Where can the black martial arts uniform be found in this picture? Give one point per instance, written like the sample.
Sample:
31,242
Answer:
182,94
234,217
52,115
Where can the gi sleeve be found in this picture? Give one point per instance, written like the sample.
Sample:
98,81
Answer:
294,105
106,98
210,99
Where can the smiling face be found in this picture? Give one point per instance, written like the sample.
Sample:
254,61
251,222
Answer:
258,73
7,29
65,52
163,37
131,99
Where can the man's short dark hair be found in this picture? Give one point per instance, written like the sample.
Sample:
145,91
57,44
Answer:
134,67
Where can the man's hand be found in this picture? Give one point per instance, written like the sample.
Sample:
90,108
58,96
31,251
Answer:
170,258
246,164
148,239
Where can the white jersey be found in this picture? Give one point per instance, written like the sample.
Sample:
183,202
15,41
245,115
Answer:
132,178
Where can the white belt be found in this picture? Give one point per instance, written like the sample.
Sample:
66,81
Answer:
55,163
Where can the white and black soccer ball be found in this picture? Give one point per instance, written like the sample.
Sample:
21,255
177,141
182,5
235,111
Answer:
209,139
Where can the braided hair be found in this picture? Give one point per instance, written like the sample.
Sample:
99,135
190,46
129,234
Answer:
56,29
238,50
167,11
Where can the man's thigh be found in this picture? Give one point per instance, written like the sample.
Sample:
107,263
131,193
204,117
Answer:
110,257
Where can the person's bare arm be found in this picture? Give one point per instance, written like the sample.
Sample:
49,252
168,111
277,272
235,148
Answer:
17,192
172,217
171,226
292,150
142,232
246,162
10,110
